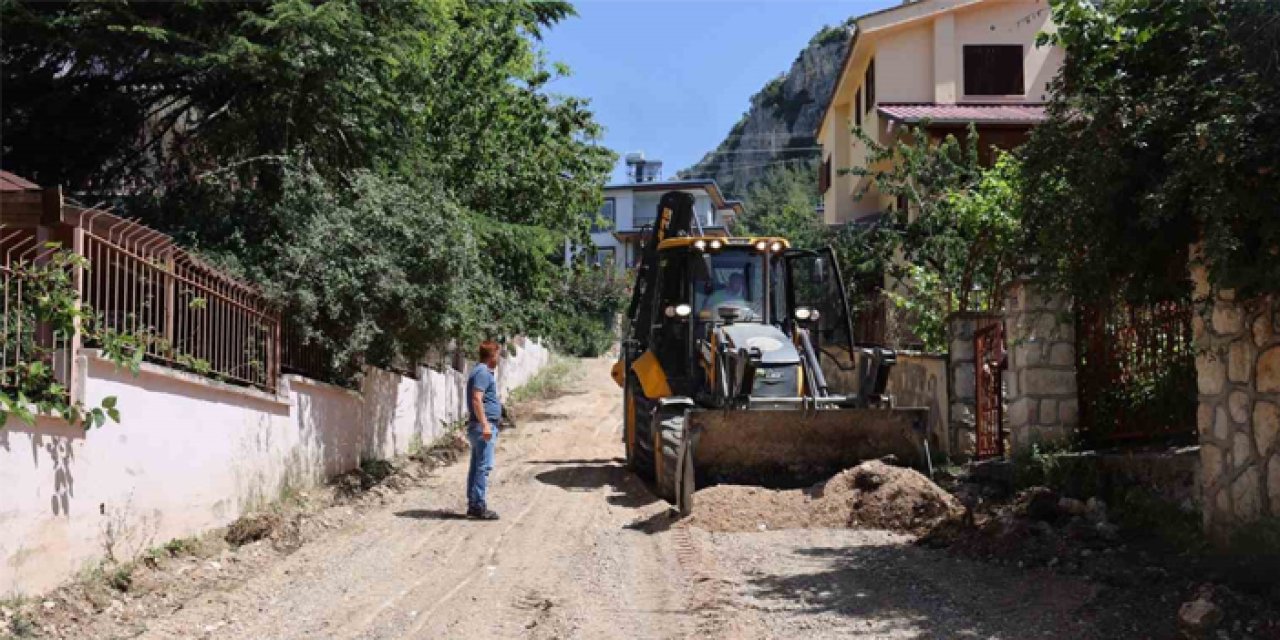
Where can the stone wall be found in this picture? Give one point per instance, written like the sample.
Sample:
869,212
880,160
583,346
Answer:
962,382
1040,382
1238,377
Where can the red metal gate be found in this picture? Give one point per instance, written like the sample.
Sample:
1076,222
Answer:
989,362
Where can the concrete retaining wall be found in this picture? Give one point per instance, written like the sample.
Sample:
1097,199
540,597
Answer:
192,454
920,380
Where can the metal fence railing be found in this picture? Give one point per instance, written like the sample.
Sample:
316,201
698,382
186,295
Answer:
1138,371
30,348
308,359
188,314
136,292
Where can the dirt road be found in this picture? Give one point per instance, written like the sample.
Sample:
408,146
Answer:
584,551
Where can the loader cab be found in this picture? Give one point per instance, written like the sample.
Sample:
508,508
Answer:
703,282
733,279
707,282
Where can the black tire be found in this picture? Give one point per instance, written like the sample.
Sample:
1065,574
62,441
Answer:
629,418
684,503
669,436
642,453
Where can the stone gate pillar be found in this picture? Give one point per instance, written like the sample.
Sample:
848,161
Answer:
1238,418
1040,382
962,382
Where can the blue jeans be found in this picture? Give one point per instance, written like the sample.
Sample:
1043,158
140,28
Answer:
481,465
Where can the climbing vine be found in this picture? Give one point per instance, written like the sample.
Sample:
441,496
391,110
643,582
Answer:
41,301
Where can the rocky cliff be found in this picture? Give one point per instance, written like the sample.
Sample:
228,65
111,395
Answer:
779,126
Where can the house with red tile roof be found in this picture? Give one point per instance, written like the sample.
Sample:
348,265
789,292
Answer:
939,63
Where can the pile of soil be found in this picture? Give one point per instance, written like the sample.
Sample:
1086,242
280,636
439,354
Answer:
872,495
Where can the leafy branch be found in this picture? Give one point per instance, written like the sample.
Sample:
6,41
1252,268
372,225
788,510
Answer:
41,307
956,244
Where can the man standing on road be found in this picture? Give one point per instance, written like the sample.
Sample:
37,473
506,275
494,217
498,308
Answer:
482,428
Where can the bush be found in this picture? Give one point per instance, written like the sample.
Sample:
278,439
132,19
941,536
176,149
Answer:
1162,131
580,321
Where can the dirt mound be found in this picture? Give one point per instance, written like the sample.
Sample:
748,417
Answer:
251,528
871,495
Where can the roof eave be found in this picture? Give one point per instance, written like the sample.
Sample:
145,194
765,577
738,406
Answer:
844,65
863,28
962,122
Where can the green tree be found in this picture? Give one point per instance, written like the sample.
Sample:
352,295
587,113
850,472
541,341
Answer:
1164,129
378,272
957,245
585,304
782,203
249,130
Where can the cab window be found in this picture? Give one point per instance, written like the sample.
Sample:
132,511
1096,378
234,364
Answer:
735,279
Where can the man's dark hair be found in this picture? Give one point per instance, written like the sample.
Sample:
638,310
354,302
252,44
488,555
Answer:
487,350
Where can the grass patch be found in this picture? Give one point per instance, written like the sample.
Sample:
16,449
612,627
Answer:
550,382
176,548
415,445
120,577
182,547
20,626
17,622
107,575
1058,468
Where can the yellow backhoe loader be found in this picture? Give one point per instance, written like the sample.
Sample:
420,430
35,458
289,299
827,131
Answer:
738,365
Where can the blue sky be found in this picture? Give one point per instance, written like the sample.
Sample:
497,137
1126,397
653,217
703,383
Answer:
671,77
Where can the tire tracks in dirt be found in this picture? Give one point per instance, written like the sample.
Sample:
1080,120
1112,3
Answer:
568,562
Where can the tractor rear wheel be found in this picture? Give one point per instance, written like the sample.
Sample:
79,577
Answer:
641,455
668,440
629,419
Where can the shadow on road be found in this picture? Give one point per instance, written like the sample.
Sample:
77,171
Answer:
656,523
543,416
918,593
589,475
431,514
600,461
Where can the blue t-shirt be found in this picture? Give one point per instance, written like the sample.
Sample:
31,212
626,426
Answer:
482,379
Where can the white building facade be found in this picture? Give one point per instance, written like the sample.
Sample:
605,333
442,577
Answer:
631,207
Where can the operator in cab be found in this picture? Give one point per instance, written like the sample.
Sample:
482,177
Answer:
733,295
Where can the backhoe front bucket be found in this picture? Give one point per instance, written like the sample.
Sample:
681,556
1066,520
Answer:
792,447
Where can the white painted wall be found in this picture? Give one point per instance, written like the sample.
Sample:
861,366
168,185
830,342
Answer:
191,454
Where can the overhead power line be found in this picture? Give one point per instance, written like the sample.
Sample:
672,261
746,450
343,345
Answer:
778,150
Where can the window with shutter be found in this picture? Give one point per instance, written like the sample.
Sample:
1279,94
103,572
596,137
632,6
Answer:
857,108
870,83
993,70
824,176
